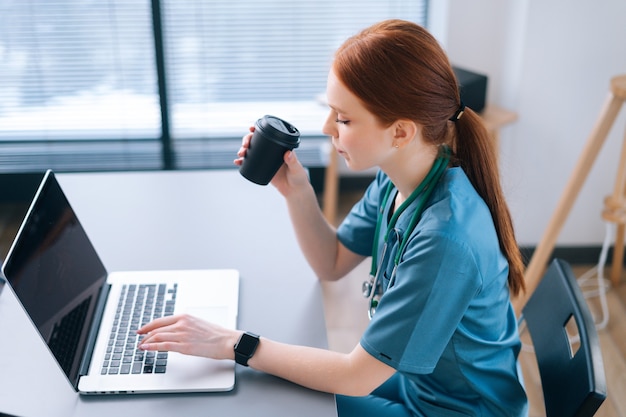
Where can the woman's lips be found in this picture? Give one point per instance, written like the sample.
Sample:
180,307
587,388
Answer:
339,151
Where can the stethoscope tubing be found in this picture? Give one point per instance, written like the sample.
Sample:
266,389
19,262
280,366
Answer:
372,288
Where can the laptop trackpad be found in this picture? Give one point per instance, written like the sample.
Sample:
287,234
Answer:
216,314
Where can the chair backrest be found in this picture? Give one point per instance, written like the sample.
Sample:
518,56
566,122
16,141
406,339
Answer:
573,383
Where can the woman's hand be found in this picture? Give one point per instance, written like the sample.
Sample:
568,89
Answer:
245,144
291,174
189,335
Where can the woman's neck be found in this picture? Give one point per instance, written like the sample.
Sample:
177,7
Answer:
408,169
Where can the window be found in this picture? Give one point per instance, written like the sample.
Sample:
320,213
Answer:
79,79
78,86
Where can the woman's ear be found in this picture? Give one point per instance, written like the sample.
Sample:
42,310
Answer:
404,132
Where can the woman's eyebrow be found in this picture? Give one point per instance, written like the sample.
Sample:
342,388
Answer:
336,109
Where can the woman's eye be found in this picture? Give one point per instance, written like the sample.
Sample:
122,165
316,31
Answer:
343,122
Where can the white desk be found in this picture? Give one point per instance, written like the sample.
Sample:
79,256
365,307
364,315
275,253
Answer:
180,220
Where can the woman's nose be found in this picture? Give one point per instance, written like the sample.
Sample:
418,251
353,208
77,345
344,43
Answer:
330,127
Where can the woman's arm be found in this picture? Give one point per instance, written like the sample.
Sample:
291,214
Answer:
316,237
356,373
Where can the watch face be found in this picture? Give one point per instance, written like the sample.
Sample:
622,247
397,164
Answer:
247,344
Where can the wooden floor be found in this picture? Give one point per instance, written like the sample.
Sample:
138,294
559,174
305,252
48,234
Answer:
346,317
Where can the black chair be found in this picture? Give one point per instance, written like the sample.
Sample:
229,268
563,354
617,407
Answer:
573,383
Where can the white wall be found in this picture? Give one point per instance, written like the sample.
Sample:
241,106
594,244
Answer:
551,62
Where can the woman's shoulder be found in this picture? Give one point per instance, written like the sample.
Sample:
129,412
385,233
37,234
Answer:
381,179
457,207
457,187
456,177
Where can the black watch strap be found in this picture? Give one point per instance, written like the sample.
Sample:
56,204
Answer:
245,348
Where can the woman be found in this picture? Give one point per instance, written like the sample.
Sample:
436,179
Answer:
442,340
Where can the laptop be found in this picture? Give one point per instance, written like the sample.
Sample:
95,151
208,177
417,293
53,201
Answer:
85,314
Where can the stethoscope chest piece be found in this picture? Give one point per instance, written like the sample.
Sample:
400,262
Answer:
371,290
368,287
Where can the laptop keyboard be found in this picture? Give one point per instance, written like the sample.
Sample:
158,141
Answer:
138,305
66,334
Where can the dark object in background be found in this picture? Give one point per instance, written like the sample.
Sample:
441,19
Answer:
473,88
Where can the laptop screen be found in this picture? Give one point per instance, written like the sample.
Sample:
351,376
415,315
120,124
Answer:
56,274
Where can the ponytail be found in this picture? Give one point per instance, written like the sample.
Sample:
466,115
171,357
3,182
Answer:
475,152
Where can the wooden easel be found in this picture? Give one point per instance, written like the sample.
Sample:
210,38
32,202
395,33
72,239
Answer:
615,205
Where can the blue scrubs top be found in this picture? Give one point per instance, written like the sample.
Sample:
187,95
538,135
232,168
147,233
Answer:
445,322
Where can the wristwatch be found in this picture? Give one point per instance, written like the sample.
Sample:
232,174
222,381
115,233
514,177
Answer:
245,347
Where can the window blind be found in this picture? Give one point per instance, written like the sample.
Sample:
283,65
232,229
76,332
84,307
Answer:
78,86
79,81
229,63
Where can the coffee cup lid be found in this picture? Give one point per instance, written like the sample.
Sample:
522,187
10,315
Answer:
279,131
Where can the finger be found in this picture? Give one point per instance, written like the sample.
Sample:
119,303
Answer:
157,323
245,141
166,346
166,340
291,159
161,335
171,346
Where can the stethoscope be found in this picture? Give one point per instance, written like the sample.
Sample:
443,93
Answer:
372,288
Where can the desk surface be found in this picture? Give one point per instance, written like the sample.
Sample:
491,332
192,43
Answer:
180,220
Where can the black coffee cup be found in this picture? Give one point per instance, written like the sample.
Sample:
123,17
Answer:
272,137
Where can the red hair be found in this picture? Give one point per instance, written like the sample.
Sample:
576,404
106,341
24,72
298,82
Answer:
399,71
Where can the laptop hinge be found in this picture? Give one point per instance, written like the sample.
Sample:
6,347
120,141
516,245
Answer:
93,332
